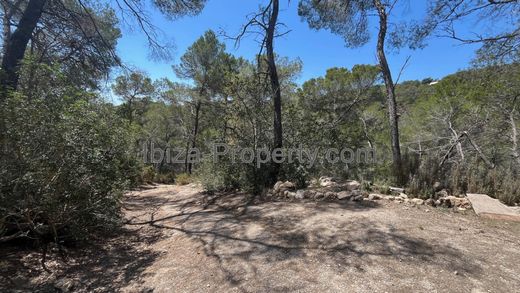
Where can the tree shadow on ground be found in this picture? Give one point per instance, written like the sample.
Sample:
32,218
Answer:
250,237
106,265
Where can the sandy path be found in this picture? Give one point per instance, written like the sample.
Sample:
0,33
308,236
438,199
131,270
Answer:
179,240
225,244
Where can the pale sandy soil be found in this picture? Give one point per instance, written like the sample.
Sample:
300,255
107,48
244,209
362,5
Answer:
180,240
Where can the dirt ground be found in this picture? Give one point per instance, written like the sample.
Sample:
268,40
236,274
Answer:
179,240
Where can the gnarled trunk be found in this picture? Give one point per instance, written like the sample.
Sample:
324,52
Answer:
390,93
14,49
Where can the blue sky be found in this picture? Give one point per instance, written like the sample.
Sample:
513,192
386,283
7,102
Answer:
319,50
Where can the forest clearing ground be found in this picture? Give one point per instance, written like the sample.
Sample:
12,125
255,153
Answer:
178,239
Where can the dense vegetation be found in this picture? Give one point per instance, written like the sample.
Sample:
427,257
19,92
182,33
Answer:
67,155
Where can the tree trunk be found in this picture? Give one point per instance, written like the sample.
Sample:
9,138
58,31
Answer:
390,92
14,49
275,85
195,132
514,137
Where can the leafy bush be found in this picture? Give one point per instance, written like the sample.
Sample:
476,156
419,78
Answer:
215,177
147,174
183,179
65,163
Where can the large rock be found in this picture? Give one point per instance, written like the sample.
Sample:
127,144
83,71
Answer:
454,202
352,185
344,195
281,187
276,186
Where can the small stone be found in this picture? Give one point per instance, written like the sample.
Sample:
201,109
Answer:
374,196
357,198
291,194
417,201
300,194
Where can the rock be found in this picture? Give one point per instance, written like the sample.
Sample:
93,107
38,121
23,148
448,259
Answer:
437,203
344,195
403,195
352,185
357,198
319,196
355,192
276,186
457,202
330,194
437,186
300,194
309,194
417,201
327,181
286,186
389,197
313,182
374,196
429,202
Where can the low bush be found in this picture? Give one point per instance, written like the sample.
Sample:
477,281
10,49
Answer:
65,162
183,179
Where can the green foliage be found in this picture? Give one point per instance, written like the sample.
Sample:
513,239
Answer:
67,159
183,179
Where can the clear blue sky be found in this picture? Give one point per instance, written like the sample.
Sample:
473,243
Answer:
319,50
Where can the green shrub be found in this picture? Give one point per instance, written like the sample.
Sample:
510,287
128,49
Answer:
65,163
183,179
147,174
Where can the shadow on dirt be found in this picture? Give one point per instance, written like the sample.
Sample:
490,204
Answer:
245,234
106,265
